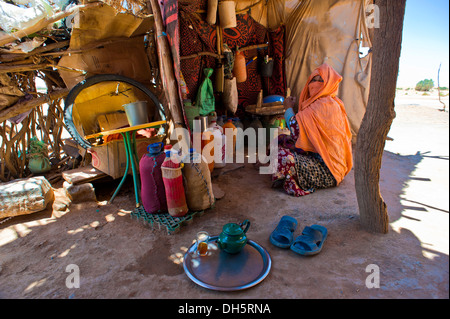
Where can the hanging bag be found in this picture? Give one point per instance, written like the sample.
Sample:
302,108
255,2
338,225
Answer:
205,96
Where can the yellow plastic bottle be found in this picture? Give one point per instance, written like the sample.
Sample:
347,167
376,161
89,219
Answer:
208,137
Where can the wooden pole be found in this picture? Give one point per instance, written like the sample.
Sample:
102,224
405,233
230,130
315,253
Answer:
439,87
166,66
22,107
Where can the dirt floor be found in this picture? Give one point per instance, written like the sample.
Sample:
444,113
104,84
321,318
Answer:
119,257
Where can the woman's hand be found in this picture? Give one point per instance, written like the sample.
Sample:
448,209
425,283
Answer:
289,102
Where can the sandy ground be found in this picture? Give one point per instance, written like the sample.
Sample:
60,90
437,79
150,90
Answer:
119,257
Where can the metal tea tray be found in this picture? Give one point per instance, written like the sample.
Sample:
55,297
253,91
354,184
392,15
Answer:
222,271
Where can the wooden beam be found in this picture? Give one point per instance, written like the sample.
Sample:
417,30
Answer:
9,57
22,107
196,55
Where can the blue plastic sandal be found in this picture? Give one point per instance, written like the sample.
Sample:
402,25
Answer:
311,241
283,234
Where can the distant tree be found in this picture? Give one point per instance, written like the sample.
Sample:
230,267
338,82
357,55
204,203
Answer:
425,85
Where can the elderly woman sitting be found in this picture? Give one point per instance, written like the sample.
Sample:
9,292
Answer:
318,153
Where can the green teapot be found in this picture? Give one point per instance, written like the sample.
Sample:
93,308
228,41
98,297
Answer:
233,238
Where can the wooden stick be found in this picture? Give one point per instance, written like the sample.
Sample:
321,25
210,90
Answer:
221,56
22,107
256,46
9,57
23,67
196,55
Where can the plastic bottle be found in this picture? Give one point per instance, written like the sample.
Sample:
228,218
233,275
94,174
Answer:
208,152
230,126
214,125
237,122
219,145
277,123
221,120
240,68
212,117
153,193
173,185
199,192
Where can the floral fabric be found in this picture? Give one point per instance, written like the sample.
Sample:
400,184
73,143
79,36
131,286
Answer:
300,173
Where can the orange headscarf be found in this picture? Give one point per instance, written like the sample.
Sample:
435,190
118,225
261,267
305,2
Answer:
323,122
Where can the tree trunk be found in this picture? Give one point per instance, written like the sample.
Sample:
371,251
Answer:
379,115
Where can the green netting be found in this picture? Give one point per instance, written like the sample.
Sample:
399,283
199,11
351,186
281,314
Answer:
172,224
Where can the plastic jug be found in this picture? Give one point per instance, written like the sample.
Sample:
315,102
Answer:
207,148
240,68
219,145
237,122
221,120
173,185
277,122
199,192
216,126
153,194
230,126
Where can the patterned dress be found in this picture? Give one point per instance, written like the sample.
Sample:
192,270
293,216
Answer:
299,172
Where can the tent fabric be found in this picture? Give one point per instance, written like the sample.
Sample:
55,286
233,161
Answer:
330,31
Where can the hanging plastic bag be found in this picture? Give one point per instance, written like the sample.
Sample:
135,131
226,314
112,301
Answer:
205,96
13,17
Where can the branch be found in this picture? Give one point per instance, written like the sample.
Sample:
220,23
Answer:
220,56
195,55
9,57
22,107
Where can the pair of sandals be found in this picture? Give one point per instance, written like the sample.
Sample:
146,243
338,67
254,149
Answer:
310,242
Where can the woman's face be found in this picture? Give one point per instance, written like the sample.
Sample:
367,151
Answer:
315,85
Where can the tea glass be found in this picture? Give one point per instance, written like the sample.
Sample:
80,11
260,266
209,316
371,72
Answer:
202,243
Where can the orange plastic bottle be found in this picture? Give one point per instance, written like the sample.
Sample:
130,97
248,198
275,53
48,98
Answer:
208,137
226,128
240,68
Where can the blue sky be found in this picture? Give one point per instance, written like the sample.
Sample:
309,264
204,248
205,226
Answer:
425,43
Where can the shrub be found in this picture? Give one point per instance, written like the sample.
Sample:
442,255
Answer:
425,85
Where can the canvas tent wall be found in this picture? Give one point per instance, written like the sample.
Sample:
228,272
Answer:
331,31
